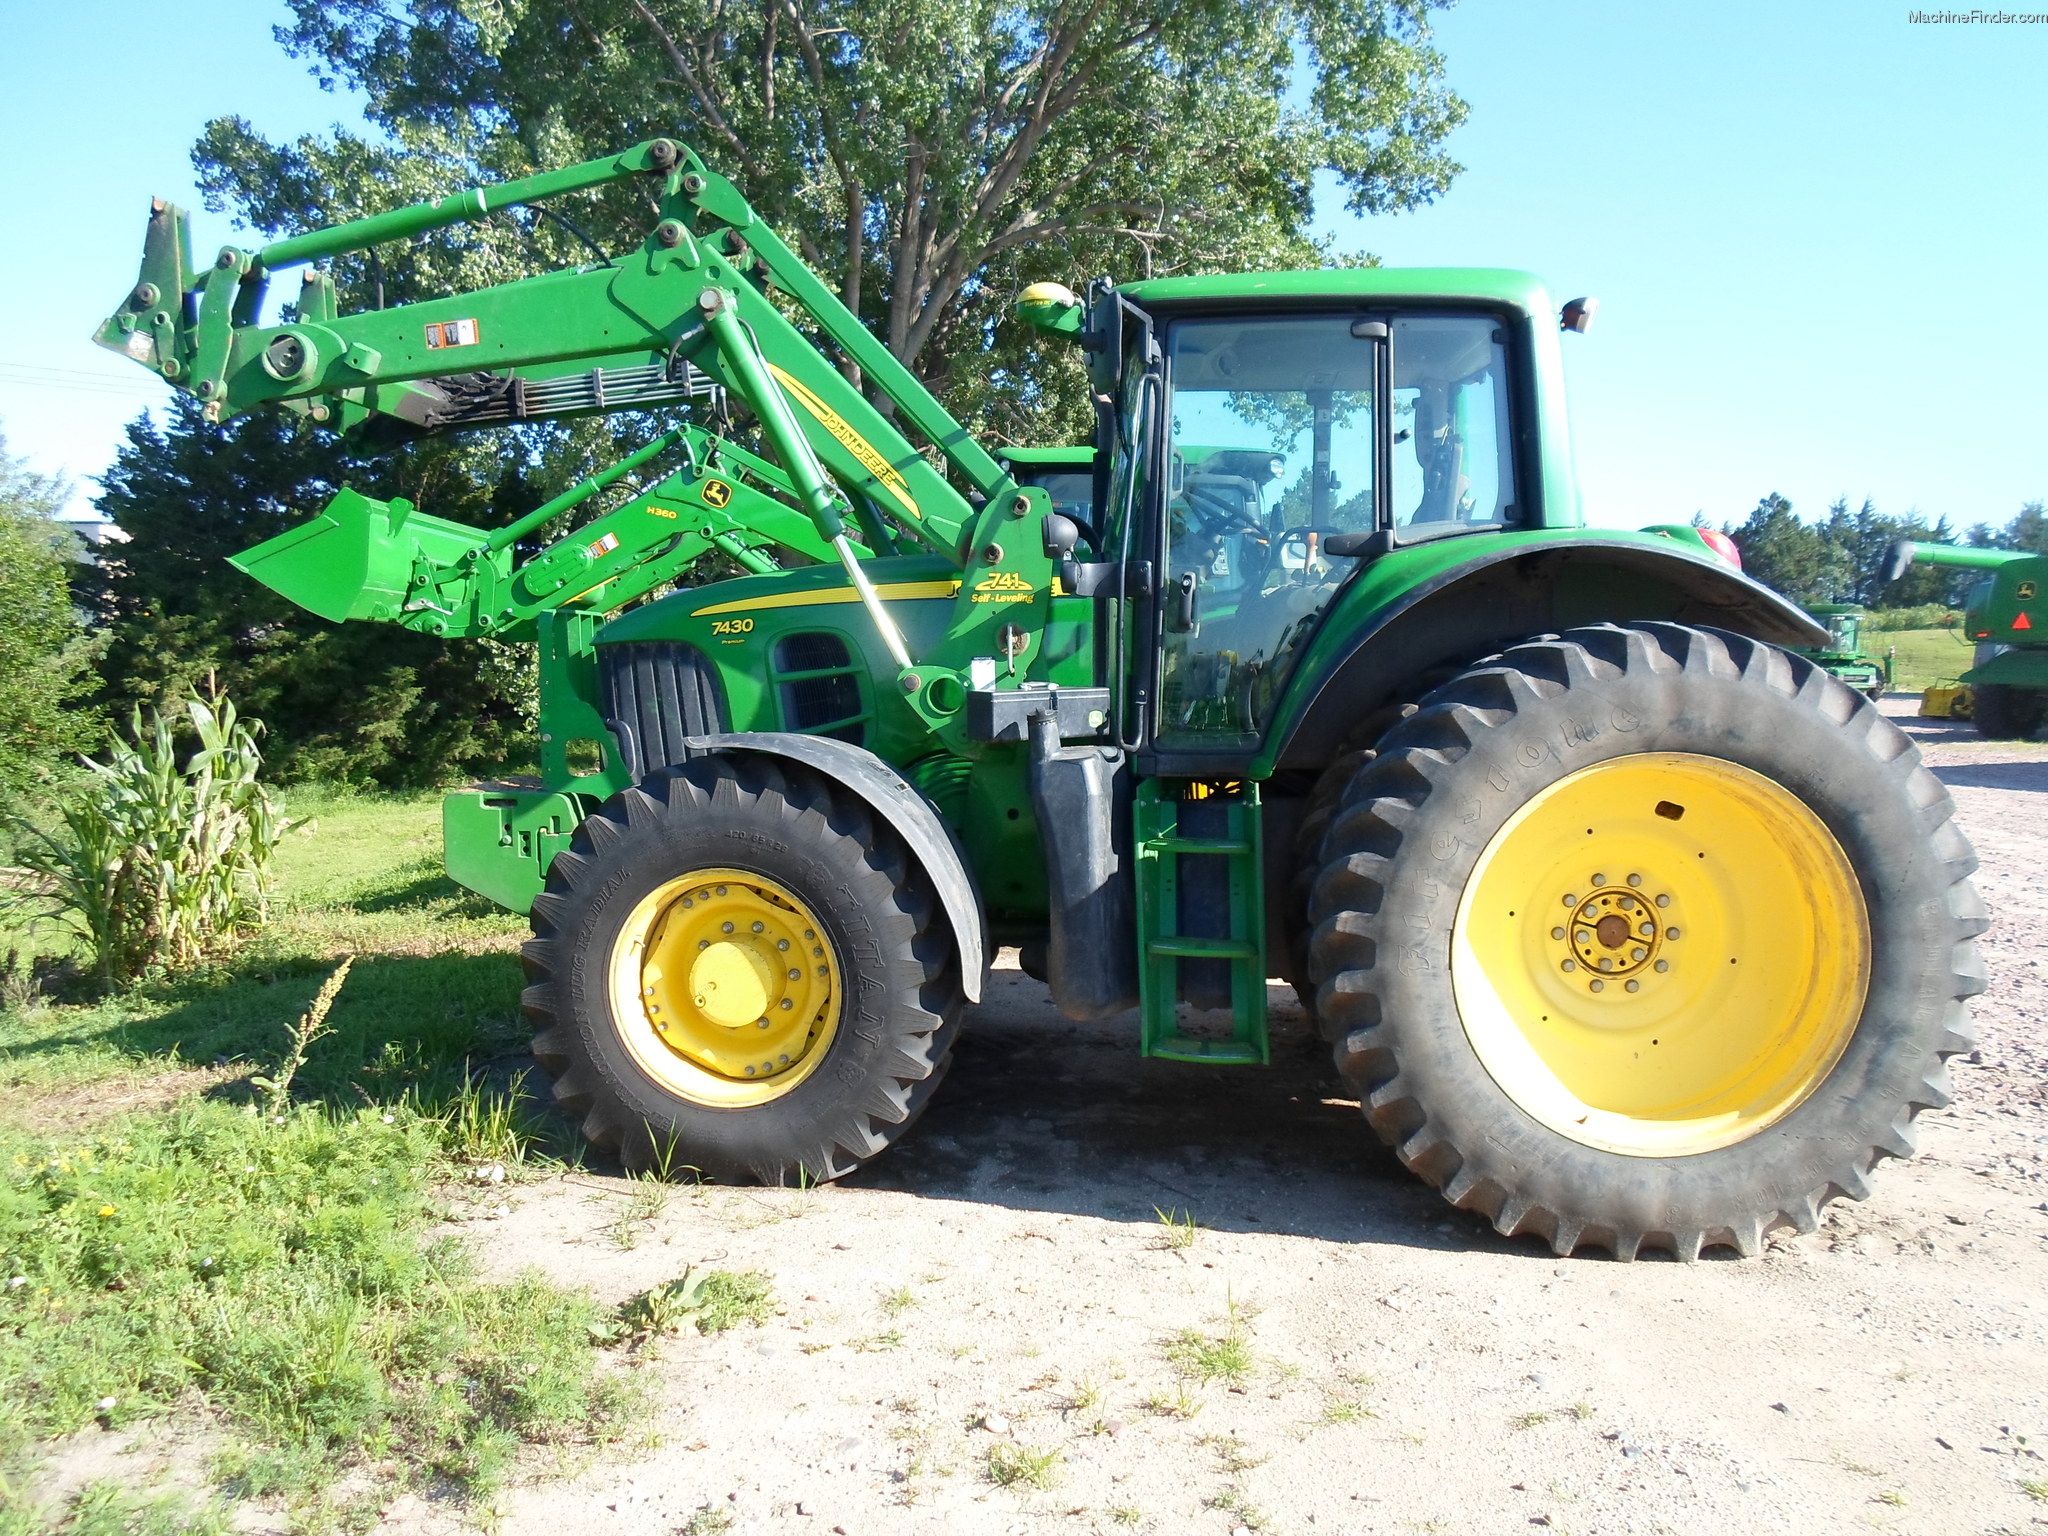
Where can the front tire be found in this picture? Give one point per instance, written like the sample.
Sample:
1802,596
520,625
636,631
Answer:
736,969
1717,804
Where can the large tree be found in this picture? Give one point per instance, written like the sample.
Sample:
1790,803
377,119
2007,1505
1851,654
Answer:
929,157
45,655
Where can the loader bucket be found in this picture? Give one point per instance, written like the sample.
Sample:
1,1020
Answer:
358,558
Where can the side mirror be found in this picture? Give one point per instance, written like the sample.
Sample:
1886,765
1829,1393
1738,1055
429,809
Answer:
1577,315
1061,534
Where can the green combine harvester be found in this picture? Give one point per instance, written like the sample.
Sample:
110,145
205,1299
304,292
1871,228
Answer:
2007,617
1628,928
1842,656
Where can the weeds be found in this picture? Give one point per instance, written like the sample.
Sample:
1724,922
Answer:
898,1301
1011,1466
1231,1501
1345,1410
1177,1229
1231,1452
1581,1411
879,1343
707,1521
1894,1499
712,1302
1126,1514
1086,1394
281,1272
2034,1489
480,1125
277,1088
1227,1357
1531,1419
645,1202
1177,1404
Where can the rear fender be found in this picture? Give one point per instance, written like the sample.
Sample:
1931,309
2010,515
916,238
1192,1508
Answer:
898,802
1507,593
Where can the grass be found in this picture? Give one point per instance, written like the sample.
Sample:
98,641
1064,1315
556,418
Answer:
1227,1357
1177,1229
1232,1501
2034,1489
898,1301
711,1303
1022,1466
276,1266
1345,1410
1531,1419
1922,657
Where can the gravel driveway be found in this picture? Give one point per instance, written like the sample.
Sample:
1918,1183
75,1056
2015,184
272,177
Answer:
999,1298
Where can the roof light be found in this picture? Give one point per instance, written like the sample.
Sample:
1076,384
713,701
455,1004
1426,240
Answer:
1577,315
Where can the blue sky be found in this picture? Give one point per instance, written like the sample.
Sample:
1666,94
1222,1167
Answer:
1819,232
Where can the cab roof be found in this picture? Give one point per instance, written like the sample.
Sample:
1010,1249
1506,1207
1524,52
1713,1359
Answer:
1484,285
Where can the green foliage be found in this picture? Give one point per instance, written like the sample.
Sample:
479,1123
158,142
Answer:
342,1354
711,1302
45,656
1025,1466
360,703
1925,616
161,862
1841,559
1227,1357
280,1270
928,160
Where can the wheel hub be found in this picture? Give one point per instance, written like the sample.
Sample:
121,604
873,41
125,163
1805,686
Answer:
1615,933
726,986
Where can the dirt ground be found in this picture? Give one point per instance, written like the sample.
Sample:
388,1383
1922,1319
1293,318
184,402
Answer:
1000,1288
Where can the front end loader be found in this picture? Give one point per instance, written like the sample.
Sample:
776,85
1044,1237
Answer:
1629,928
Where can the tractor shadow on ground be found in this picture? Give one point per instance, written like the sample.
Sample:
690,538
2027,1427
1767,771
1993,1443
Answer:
2022,776
1040,1114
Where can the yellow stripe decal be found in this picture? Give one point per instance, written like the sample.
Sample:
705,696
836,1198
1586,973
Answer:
883,471
895,591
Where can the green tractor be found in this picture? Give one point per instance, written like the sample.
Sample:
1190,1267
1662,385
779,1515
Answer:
1628,928
1842,656
2006,616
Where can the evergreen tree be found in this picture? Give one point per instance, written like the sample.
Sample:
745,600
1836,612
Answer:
357,702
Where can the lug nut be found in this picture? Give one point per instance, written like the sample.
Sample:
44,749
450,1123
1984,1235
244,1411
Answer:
1599,985
1663,901
1635,879
1662,966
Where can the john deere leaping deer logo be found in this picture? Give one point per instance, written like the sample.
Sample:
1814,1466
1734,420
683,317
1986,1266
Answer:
716,493
1003,587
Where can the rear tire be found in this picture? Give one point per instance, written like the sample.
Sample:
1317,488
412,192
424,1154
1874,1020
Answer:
2004,712
1697,1107
768,861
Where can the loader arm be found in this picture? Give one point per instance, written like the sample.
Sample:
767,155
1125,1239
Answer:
637,324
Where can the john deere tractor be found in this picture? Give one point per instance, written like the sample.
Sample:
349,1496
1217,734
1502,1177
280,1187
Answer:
1627,927
2007,616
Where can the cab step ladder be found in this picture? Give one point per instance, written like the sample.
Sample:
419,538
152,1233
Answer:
1192,819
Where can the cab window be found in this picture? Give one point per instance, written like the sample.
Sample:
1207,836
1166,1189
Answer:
1452,453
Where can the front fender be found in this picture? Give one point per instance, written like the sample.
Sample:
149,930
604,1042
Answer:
1417,612
898,802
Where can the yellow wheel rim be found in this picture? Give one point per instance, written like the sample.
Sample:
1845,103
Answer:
725,988
1661,955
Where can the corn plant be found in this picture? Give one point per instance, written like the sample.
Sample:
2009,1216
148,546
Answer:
159,862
